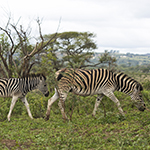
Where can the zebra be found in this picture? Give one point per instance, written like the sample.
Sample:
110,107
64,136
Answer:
19,87
98,82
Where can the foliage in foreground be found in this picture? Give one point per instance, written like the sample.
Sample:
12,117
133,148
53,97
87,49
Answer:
82,132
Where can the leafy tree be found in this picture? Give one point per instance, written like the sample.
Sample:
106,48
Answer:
74,49
51,54
108,60
145,68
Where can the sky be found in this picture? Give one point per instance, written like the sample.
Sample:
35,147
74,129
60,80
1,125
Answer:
122,25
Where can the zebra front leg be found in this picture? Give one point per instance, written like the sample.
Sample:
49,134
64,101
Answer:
13,102
50,102
115,100
61,104
62,96
24,100
98,100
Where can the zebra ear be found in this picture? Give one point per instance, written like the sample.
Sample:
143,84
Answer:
140,88
41,77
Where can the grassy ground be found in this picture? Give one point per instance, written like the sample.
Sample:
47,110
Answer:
83,132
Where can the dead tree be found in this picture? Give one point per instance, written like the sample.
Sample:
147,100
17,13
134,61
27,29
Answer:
27,52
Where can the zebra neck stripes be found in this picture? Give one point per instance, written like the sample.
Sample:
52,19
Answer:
13,85
28,84
6,87
126,84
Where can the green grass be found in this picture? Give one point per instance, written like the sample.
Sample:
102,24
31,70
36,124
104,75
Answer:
82,132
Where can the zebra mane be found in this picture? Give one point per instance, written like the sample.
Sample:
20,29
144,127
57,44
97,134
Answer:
33,75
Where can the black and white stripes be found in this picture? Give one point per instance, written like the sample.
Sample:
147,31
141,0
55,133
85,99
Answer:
91,82
86,82
97,81
19,87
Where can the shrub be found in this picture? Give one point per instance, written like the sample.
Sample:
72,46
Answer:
146,85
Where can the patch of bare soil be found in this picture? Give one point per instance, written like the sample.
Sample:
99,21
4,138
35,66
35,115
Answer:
10,144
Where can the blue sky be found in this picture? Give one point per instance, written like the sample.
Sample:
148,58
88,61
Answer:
122,25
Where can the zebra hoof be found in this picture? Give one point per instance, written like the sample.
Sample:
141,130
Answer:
121,117
8,118
65,118
93,115
46,118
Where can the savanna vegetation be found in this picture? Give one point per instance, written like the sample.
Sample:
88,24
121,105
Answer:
109,130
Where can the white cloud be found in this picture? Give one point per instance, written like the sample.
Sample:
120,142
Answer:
119,24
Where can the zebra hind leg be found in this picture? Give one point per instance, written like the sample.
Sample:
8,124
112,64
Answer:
115,100
62,109
61,104
24,100
13,102
98,100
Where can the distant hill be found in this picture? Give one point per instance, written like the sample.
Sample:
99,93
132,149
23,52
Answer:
127,59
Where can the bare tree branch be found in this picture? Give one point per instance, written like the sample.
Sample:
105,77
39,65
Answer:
22,47
9,38
94,65
20,38
8,22
3,59
40,32
28,55
3,73
42,45
30,67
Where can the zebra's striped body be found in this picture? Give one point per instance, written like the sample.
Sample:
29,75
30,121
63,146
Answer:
95,82
19,87
86,82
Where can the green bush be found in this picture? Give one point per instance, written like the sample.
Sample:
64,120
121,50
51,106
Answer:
4,108
146,85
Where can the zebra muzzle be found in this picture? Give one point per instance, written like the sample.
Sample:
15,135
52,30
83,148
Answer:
142,108
47,94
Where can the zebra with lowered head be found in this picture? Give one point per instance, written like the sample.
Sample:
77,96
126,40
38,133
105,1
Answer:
19,87
95,82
